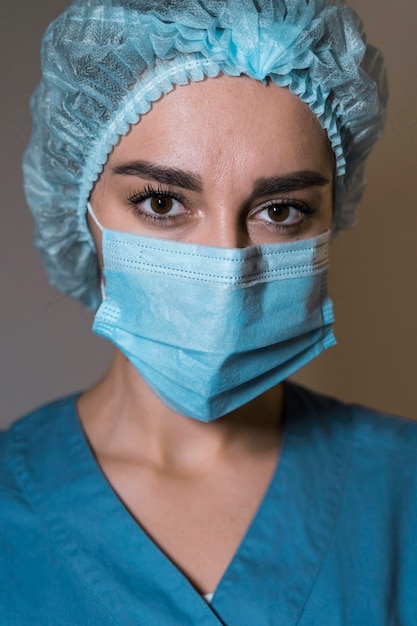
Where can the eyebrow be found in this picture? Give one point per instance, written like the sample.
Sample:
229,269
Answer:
188,180
165,175
290,182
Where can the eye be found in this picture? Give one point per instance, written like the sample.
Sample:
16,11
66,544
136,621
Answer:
158,206
284,216
161,204
282,213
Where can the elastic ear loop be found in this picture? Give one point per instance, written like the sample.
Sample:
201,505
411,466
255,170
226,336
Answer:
95,218
100,227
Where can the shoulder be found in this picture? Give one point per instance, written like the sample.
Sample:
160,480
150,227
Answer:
39,583
23,435
373,538
379,450
26,469
363,426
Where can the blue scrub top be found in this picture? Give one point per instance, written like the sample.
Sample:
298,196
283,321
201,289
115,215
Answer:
334,541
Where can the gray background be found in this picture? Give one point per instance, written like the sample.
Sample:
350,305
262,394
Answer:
47,348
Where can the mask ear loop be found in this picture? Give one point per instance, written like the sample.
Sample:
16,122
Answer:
100,227
94,217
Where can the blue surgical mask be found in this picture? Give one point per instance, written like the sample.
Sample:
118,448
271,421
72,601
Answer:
209,329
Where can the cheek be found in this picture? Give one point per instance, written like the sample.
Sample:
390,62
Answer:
97,237
326,214
98,201
329,206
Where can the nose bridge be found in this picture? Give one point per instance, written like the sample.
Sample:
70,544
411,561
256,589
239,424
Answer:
224,224
223,227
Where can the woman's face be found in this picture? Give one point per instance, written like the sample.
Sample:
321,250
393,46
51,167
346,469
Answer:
225,162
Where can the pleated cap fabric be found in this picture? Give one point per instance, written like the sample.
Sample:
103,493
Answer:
104,62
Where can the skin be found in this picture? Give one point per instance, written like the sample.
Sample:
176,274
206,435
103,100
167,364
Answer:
195,487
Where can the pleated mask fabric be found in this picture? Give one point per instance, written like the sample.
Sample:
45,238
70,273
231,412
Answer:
207,328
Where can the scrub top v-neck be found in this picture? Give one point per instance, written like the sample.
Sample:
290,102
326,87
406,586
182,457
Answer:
283,567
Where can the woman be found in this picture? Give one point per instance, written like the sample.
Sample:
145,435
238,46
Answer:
188,164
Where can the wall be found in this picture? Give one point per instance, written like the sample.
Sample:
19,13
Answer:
47,348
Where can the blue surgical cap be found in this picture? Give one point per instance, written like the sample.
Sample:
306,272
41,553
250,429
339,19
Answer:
104,62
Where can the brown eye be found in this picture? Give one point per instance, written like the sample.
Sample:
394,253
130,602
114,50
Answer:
278,212
161,204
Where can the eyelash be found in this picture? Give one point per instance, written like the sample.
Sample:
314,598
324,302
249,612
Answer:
134,199
303,208
149,191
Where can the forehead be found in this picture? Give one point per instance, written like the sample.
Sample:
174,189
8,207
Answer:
229,123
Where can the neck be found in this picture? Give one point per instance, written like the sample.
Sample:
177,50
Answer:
122,417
